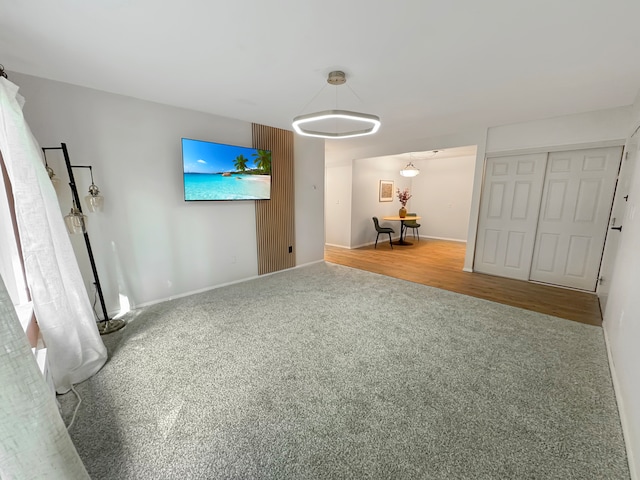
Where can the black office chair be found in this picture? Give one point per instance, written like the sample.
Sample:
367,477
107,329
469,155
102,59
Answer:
380,230
412,224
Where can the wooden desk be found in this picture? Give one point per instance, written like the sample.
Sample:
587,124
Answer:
402,229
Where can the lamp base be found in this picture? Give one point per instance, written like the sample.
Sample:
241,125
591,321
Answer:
110,326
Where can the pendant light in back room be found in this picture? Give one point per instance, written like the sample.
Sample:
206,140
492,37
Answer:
411,170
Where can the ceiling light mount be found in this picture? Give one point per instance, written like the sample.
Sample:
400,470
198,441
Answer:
336,123
336,78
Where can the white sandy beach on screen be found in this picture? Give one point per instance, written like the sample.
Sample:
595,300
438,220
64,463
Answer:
257,178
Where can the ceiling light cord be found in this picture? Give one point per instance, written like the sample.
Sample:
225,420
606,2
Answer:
354,92
314,97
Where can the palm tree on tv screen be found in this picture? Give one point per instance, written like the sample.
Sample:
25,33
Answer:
263,160
240,163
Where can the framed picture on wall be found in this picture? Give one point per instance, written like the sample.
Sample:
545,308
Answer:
386,190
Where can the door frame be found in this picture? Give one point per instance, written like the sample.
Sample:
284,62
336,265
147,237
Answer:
630,155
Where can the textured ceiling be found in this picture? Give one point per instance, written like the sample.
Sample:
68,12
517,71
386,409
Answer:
425,67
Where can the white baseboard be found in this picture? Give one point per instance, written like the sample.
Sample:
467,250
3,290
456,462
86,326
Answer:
459,240
207,289
408,237
363,245
299,266
633,471
380,241
467,269
192,292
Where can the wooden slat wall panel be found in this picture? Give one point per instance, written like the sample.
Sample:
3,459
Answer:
275,218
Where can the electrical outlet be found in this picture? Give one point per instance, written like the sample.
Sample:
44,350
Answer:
290,249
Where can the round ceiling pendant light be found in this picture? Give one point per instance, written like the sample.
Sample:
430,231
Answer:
410,170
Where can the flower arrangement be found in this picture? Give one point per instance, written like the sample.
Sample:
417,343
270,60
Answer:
403,196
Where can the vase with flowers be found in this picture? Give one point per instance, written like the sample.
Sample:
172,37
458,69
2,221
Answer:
403,196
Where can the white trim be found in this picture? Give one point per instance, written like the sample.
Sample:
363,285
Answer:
192,292
556,148
226,284
459,240
297,266
467,269
337,246
633,473
393,239
365,244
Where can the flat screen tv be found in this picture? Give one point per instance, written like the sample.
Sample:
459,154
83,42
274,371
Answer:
215,171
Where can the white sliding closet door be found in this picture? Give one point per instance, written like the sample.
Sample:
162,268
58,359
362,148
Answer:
508,214
574,216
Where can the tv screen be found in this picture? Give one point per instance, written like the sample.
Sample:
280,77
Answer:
215,171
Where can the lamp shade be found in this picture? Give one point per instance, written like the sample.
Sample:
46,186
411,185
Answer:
326,124
52,176
95,201
75,221
409,171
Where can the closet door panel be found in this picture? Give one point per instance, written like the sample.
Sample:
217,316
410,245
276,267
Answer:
576,204
509,209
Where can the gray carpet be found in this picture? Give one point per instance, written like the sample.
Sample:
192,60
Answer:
329,372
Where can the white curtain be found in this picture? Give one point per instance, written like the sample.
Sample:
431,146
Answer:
60,300
34,442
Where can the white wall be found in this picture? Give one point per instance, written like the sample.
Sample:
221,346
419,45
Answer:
442,196
362,195
600,128
309,196
338,153
622,315
365,197
149,244
337,208
583,128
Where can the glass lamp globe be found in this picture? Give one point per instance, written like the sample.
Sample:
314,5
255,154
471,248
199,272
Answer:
94,200
75,221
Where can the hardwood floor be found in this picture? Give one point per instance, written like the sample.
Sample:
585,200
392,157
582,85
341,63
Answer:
439,264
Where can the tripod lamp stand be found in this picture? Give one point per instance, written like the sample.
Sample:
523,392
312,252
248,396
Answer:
76,223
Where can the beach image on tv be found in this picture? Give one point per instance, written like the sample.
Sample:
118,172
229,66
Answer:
214,171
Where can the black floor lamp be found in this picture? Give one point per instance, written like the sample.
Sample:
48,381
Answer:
76,223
